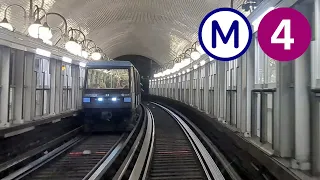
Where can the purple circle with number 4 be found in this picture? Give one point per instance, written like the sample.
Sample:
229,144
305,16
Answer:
284,34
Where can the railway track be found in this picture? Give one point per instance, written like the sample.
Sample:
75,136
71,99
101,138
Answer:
173,156
173,148
79,161
86,156
163,145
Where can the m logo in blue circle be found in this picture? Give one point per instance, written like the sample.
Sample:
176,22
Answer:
225,34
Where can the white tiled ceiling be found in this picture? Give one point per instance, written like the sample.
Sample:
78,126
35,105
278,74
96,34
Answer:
157,29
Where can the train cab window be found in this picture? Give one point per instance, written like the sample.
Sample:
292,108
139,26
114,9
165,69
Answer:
108,79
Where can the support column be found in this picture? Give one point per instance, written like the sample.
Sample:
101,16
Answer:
222,90
316,108
247,70
53,64
18,92
5,87
206,87
283,111
74,85
302,113
30,83
191,99
58,88
198,87
302,123
239,92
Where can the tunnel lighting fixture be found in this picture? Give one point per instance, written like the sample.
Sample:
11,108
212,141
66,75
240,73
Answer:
33,29
84,54
114,99
5,24
73,47
66,59
195,55
188,70
210,58
96,56
185,62
100,99
199,49
195,66
203,62
82,64
176,67
183,72
45,32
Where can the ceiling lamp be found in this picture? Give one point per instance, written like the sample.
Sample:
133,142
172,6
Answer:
84,54
5,24
96,56
33,29
97,53
195,55
199,49
185,62
72,46
88,45
45,32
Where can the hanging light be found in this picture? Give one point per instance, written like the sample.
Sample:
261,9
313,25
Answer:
185,62
195,55
199,49
5,24
45,32
33,29
96,56
72,46
84,54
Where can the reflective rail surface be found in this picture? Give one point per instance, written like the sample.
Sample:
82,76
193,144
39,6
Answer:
92,156
171,150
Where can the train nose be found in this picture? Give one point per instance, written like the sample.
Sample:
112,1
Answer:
107,115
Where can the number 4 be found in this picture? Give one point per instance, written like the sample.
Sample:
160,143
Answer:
287,40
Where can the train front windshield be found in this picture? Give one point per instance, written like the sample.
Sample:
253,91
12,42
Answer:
108,79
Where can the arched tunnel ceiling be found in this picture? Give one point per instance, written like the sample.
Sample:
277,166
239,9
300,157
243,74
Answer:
157,29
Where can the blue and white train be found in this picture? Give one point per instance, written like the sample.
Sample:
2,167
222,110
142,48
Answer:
111,96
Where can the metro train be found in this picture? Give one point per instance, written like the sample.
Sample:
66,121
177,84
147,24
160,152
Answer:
111,96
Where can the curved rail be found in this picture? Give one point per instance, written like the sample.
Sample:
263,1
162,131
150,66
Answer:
211,162
208,164
94,164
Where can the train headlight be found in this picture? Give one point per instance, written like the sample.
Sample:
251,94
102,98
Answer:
113,99
100,99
